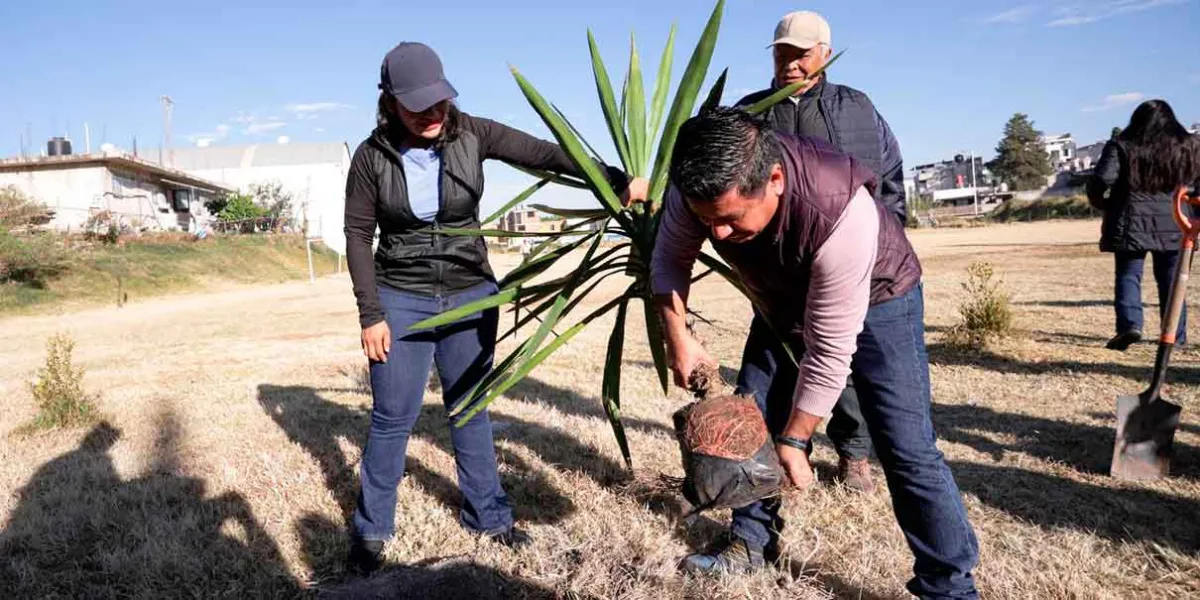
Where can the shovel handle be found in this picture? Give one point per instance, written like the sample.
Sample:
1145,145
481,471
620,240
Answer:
1183,269
1191,230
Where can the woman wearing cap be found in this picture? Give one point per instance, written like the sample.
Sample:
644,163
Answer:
1133,183
421,170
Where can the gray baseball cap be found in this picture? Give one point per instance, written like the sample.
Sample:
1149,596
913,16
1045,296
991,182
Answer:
412,72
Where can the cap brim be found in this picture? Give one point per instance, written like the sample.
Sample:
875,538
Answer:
803,43
420,99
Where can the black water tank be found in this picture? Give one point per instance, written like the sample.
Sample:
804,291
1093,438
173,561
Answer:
58,146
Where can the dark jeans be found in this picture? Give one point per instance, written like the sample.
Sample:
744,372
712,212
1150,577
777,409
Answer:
1128,300
463,351
846,429
890,370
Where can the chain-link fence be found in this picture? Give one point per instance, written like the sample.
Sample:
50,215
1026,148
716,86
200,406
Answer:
255,225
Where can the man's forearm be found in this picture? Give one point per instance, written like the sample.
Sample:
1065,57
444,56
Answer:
673,310
801,425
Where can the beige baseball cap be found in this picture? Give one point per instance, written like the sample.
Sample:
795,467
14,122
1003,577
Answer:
802,29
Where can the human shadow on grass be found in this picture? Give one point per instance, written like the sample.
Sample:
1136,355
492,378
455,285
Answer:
1085,448
317,424
575,404
457,577
80,530
943,354
1120,514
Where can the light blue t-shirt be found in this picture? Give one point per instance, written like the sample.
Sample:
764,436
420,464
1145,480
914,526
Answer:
422,171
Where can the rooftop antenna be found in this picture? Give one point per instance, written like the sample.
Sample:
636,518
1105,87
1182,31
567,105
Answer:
167,103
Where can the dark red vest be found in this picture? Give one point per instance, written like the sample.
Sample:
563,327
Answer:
775,266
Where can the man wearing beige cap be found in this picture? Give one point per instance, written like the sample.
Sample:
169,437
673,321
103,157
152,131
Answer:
846,118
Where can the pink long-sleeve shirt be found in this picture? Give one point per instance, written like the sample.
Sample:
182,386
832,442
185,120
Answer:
838,293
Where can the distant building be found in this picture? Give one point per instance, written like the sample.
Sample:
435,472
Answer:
528,220
1061,149
138,193
935,180
313,173
1086,157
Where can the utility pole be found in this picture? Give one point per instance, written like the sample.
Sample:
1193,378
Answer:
167,105
974,184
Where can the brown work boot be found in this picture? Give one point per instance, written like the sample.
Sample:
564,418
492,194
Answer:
855,473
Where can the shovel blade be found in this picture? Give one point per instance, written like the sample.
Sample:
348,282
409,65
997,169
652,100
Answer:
1145,438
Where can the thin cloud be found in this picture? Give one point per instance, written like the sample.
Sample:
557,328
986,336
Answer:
1017,14
256,128
1098,11
311,110
1116,101
205,139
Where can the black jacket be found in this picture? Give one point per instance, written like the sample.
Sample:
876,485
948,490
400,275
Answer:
857,129
411,256
1134,221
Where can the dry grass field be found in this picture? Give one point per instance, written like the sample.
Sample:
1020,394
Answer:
227,463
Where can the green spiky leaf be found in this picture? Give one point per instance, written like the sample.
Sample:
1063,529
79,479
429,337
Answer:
658,348
611,387
608,102
635,115
596,180
571,213
661,87
565,180
523,196
786,92
714,95
685,100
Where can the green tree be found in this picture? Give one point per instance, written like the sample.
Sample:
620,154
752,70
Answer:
1021,159
1115,132
240,207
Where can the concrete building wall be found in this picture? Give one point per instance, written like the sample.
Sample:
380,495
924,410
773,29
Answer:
71,193
312,187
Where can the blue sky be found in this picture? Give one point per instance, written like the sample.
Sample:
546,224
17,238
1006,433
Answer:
945,74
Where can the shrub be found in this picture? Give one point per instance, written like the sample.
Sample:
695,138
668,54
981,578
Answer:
102,227
240,207
18,211
27,255
986,310
1062,207
58,390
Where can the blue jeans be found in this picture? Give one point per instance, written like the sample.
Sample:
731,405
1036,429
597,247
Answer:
890,371
847,428
463,351
1128,300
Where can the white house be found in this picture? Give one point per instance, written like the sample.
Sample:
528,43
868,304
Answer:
138,193
313,173
1061,149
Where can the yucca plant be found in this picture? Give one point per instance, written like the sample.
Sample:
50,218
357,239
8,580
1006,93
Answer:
633,129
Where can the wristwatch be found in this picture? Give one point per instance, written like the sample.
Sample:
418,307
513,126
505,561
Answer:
797,443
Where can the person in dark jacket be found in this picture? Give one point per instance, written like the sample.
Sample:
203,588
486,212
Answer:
846,118
1132,184
418,172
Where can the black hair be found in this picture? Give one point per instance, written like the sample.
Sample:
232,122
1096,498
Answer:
1162,154
389,122
722,148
